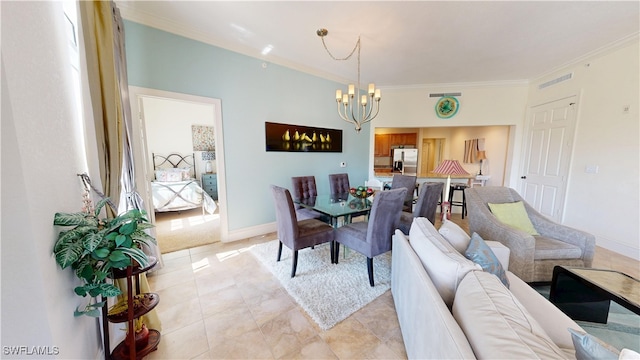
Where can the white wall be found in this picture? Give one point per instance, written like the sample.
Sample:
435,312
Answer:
168,126
607,203
42,151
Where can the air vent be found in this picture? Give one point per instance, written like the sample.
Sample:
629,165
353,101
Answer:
555,81
439,95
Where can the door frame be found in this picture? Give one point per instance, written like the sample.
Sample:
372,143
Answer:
140,151
526,136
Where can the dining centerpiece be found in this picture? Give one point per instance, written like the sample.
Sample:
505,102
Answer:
361,192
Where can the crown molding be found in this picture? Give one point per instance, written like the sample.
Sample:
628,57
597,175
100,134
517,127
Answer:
616,45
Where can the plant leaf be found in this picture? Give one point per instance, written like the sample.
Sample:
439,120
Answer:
128,228
100,205
74,219
109,290
136,254
120,239
117,255
142,237
80,290
91,241
101,253
145,226
68,253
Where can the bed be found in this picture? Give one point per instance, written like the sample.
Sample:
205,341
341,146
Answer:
175,187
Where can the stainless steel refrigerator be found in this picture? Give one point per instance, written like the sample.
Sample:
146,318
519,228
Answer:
405,161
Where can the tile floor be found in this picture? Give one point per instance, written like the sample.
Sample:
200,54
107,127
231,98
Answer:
218,302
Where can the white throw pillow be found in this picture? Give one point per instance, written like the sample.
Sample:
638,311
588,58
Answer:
445,267
496,324
454,234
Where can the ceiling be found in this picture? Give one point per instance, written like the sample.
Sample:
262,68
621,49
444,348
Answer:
403,43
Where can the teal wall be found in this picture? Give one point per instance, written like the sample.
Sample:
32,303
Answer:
250,95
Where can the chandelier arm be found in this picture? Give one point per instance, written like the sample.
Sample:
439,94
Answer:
344,117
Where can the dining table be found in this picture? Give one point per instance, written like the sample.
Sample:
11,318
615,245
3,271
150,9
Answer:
337,206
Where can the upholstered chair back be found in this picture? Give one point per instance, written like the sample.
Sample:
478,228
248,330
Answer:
428,200
408,182
384,219
339,183
285,216
304,187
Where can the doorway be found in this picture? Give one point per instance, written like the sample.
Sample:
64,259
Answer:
432,154
547,155
158,112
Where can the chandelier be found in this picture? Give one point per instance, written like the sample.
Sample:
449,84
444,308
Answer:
369,104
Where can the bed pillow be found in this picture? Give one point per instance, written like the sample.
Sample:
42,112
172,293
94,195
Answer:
513,214
480,253
170,175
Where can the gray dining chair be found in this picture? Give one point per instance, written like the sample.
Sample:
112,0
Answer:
426,205
296,234
408,182
339,186
339,183
304,187
373,237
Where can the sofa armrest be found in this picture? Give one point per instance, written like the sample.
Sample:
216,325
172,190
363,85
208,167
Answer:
502,252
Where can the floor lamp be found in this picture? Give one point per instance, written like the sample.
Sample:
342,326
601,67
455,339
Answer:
448,167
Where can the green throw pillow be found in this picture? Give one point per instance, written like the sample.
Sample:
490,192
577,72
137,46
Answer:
515,215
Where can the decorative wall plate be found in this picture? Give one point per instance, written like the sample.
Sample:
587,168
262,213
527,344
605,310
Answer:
447,107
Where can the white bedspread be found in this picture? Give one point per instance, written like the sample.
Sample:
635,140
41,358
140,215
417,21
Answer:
180,195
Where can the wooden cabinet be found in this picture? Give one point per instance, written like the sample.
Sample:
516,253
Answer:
210,185
382,145
384,142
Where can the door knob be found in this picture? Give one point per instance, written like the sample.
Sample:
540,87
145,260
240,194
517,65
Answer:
523,177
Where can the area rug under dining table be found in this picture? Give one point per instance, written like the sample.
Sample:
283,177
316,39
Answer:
328,292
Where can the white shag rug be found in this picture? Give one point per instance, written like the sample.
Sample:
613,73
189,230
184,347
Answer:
328,292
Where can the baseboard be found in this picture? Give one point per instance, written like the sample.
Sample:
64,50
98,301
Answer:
622,249
250,232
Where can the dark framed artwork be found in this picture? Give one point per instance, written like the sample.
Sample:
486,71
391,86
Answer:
297,138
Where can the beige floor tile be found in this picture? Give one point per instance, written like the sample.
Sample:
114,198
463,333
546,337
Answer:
381,351
314,348
164,281
184,343
350,339
269,306
219,301
178,293
288,332
250,345
231,323
179,315
212,283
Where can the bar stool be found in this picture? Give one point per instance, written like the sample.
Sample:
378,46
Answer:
452,189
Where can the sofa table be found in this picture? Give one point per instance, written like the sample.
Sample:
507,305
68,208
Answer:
585,293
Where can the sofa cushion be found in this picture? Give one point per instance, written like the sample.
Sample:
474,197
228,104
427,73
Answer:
480,253
445,266
513,214
496,324
454,234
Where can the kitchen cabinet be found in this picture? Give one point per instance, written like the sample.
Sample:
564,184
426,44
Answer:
384,142
382,145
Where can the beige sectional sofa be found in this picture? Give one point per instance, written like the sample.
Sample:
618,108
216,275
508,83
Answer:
449,308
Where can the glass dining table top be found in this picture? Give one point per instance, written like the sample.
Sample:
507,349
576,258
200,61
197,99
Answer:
336,205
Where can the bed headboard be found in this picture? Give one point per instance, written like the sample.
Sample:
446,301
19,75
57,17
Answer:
174,161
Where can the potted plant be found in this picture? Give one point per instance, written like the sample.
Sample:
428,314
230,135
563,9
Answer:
95,246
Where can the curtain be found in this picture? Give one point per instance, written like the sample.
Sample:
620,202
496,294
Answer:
103,36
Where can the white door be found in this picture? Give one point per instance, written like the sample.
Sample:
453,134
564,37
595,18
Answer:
547,155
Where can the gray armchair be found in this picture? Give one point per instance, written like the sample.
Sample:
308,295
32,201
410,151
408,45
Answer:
373,237
426,205
296,234
532,257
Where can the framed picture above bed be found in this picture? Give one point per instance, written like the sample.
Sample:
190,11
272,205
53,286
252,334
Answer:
298,138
